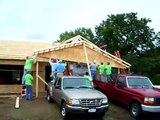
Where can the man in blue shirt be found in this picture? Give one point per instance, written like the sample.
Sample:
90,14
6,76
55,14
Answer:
60,67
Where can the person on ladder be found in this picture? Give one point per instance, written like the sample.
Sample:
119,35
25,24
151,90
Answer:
60,68
53,63
27,68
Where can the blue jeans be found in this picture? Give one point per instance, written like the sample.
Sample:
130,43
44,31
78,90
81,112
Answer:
29,93
102,77
53,75
24,73
109,78
93,74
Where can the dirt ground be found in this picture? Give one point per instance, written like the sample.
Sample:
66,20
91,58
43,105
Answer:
40,109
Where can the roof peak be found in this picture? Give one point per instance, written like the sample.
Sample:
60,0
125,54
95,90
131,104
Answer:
76,39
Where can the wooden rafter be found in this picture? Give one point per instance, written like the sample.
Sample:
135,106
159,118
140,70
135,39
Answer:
73,44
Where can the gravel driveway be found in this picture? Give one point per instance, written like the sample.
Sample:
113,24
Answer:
40,109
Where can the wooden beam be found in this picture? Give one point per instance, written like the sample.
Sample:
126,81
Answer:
37,65
86,56
108,54
17,103
61,50
42,80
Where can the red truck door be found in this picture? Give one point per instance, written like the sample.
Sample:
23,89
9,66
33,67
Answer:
120,90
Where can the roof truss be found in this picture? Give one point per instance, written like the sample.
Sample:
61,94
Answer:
78,49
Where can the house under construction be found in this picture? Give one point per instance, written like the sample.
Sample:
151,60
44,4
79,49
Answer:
77,49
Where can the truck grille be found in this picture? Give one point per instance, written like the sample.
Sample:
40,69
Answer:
90,102
157,100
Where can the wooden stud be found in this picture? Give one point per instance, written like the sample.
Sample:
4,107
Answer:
37,65
86,56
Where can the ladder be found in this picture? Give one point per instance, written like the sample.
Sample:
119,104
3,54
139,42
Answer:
23,91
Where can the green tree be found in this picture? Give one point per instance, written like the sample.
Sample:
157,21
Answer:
126,33
136,41
85,32
157,37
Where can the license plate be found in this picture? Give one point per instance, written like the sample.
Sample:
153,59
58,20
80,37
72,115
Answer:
91,110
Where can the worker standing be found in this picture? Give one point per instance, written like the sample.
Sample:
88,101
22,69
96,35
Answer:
108,69
28,83
93,68
101,69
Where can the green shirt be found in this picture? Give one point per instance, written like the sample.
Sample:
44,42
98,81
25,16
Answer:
89,80
101,69
88,77
108,69
28,79
28,64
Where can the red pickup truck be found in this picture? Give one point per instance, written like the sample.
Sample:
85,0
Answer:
137,92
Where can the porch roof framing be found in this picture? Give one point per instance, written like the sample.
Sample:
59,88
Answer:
78,49
60,51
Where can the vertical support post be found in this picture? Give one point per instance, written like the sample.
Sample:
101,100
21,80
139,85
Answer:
86,56
37,65
129,70
118,70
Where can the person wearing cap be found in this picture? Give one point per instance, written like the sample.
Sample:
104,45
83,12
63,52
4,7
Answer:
93,68
101,69
53,63
108,70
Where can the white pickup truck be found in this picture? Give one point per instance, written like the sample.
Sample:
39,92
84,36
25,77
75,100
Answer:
76,95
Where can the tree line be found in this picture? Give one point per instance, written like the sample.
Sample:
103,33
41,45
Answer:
138,44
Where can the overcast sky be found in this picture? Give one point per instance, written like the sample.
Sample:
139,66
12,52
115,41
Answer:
47,19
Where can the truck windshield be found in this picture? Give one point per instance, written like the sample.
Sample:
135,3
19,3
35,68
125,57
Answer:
139,82
69,83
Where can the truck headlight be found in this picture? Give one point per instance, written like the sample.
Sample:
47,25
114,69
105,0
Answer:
104,100
148,100
73,102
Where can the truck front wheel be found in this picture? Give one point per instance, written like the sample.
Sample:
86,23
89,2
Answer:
63,111
49,99
135,110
